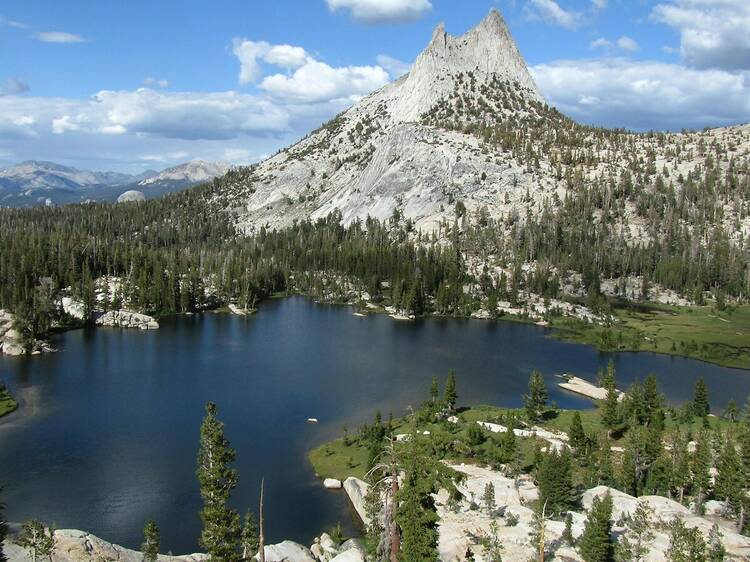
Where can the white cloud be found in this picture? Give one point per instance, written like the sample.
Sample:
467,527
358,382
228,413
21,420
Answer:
318,82
627,44
14,23
713,33
395,67
239,156
251,53
59,37
601,43
63,124
150,82
311,81
178,156
599,4
286,56
645,95
382,11
248,53
550,12
186,115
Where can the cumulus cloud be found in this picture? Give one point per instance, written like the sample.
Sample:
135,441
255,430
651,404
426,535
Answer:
382,11
713,33
58,37
601,43
186,115
645,95
394,67
316,81
307,80
286,56
627,44
252,53
552,13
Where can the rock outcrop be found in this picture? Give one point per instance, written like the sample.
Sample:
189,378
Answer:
78,546
356,489
11,342
131,196
585,388
288,551
126,319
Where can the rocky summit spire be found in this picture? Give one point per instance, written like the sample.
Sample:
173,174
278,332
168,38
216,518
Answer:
487,51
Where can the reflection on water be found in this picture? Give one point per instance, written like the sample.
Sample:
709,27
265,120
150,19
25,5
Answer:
108,431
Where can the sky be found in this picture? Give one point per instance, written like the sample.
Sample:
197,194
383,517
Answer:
127,86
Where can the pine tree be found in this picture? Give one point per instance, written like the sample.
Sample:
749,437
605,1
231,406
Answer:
416,513
494,546
3,530
39,541
535,401
567,535
489,497
249,536
508,447
732,413
555,478
151,541
685,545
450,395
610,412
653,401
604,473
576,434
700,466
635,544
221,524
716,550
434,392
700,405
731,482
681,465
596,541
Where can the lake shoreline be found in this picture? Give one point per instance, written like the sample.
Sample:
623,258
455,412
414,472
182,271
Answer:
585,335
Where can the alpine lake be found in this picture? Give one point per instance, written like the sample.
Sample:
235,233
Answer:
107,431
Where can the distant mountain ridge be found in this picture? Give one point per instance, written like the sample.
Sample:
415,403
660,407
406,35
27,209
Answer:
36,182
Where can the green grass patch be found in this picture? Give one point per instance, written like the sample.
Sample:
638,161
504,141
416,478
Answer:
7,404
337,460
701,332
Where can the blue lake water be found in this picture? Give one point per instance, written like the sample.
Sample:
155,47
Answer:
108,430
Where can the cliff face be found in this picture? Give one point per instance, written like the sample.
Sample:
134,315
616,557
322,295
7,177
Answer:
468,125
486,52
382,155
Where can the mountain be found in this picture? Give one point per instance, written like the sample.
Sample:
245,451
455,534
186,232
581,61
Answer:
177,177
466,133
36,183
